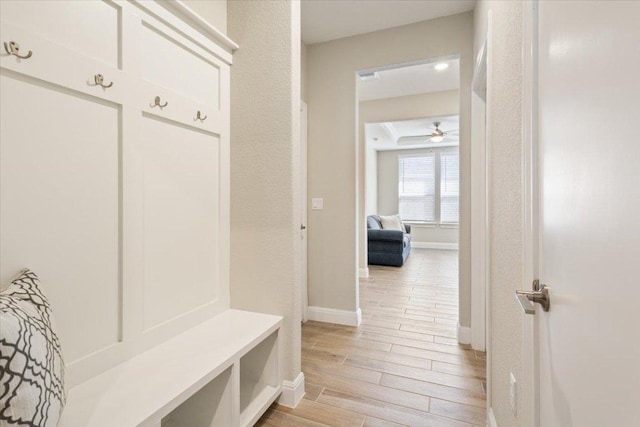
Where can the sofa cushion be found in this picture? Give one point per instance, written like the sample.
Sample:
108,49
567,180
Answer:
385,235
373,222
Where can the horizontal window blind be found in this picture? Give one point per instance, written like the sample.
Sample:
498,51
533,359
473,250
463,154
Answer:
417,188
449,186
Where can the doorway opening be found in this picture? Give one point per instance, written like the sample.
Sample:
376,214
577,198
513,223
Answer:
409,140
409,134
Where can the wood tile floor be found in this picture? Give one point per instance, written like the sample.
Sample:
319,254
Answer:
402,366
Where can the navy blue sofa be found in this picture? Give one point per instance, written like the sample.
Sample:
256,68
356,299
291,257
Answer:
387,247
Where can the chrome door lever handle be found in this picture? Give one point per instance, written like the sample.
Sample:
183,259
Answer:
527,298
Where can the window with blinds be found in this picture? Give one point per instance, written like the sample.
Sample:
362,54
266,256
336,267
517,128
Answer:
429,186
417,187
449,187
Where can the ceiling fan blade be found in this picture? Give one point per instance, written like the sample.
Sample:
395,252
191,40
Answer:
419,136
409,140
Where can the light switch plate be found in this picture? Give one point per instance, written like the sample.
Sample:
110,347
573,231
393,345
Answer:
317,203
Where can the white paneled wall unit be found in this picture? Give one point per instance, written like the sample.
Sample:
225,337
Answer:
114,189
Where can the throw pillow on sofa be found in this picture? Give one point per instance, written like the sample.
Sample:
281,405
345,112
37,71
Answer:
31,367
392,222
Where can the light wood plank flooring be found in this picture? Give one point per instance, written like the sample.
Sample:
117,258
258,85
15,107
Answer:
402,366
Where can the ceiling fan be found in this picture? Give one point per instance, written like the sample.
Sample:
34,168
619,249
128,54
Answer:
436,136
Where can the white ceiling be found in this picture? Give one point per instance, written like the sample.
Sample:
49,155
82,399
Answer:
384,136
324,20
411,80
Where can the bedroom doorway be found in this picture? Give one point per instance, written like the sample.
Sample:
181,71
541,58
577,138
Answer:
409,118
412,165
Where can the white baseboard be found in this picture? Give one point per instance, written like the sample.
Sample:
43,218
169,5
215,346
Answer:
464,334
491,418
292,392
435,245
331,315
363,273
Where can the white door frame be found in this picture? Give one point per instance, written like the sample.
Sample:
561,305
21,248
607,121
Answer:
530,214
480,177
303,210
480,207
479,230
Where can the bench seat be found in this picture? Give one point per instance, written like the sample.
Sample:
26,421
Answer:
146,388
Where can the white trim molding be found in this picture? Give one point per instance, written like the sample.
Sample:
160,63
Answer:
179,8
435,245
292,392
479,202
363,273
339,317
464,334
491,418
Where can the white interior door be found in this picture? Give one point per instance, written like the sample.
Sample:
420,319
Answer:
588,343
303,210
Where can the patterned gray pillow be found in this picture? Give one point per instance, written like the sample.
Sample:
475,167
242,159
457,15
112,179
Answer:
31,366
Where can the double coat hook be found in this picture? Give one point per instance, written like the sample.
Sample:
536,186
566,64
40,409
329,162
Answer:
13,48
200,117
156,103
99,79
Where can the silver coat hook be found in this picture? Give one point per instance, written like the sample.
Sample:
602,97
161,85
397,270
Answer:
200,117
156,103
13,48
99,79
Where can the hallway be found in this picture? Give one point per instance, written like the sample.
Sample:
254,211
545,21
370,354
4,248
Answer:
402,366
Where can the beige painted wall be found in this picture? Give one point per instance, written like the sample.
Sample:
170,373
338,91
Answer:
303,71
265,166
213,11
505,198
336,158
392,109
388,199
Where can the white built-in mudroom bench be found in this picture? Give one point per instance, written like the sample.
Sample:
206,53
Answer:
223,372
114,190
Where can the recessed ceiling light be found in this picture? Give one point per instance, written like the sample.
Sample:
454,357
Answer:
441,66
